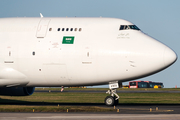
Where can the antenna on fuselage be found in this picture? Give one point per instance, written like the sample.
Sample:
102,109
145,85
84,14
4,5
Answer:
41,15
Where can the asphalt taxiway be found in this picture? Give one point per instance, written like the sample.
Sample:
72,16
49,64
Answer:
121,108
118,91
102,116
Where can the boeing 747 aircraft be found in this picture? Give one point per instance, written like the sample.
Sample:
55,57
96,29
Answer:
55,52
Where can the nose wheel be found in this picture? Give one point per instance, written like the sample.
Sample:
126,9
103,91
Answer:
111,101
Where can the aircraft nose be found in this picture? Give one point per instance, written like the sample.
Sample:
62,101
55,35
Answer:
169,56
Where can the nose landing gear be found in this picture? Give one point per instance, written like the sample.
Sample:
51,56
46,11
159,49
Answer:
113,99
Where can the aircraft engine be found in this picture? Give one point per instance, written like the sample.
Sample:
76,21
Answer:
17,91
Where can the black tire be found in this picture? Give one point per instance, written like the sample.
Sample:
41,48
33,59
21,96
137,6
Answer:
109,101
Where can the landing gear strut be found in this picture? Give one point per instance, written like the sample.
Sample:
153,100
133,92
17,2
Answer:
113,99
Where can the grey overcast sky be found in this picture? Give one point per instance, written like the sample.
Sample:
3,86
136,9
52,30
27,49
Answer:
158,18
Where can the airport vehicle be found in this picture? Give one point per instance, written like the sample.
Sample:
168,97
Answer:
145,84
54,52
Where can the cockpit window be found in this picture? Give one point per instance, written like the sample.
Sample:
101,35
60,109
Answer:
126,27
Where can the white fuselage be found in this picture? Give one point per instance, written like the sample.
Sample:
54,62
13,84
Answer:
94,51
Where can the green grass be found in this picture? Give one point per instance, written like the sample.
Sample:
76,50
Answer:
58,97
150,98
48,102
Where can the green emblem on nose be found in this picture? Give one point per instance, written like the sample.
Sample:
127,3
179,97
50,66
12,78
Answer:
68,40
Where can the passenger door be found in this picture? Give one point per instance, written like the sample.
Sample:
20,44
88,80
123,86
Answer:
42,28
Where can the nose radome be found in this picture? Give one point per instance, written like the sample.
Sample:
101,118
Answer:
169,56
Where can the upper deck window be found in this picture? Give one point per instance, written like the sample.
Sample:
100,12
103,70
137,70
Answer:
127,27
